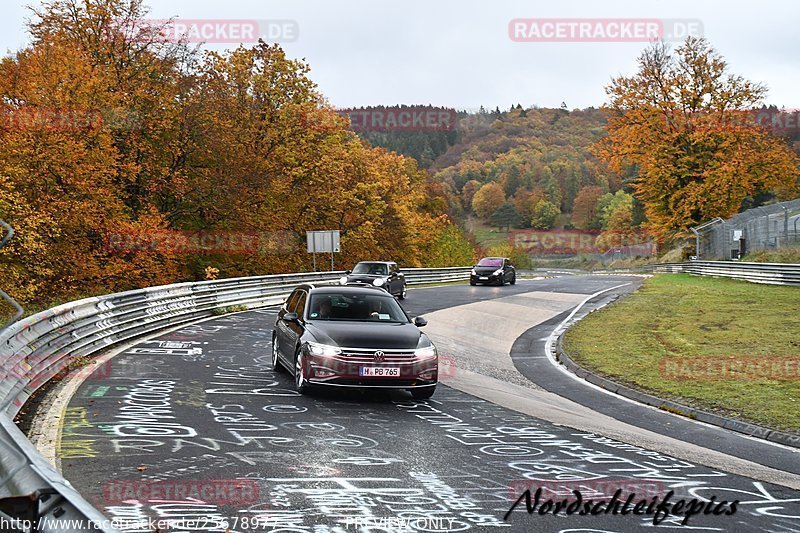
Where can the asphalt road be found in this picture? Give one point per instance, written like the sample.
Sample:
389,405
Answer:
194,429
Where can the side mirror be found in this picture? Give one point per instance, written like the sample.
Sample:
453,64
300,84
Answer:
348,272
420,322
290,317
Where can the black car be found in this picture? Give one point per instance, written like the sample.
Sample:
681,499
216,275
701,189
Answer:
348,336
493,270
383,274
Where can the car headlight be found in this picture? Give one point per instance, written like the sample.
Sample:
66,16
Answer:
498,272
428,351
324,350
473,272
343,280
379,282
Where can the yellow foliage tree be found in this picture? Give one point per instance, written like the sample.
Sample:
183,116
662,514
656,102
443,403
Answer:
682,122
487,199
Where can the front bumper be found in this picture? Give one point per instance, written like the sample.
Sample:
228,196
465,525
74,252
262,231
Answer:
489,278
345,370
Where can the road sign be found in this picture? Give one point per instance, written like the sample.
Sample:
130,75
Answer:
322,241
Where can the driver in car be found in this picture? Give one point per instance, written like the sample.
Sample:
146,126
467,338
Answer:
324,309
375,309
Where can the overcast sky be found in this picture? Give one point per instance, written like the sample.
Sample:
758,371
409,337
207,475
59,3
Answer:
458,53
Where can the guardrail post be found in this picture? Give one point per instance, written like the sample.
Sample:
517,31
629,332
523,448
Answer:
18,308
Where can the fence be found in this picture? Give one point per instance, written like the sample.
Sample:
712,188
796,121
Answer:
35,349
770,227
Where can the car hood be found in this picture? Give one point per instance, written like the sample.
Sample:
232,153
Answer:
366,278
365,334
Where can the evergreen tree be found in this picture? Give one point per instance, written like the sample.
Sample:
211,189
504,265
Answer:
505,216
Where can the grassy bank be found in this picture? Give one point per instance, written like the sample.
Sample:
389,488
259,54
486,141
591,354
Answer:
783,255
653,340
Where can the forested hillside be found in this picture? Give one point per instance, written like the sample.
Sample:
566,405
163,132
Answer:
646,163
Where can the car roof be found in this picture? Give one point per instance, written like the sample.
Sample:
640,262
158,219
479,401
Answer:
346,289
377,262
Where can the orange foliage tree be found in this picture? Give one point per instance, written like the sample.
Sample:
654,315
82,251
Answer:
109,131
584,214
681,121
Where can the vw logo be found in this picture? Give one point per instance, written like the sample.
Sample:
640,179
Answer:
379,356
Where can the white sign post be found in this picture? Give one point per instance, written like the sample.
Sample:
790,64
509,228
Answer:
322,242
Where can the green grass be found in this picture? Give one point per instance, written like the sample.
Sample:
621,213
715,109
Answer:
678,318
784,255
485,235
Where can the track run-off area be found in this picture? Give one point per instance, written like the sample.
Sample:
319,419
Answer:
193,430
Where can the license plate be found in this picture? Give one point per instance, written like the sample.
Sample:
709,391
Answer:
483,277
379,371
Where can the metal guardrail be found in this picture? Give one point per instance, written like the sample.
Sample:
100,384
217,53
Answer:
37,348
770,273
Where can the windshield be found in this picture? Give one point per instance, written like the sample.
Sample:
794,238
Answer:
378,307
375,269
490,262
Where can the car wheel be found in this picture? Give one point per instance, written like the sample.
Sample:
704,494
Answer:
300,383
276,363
501,281
423,393
472,283
513,280
402,294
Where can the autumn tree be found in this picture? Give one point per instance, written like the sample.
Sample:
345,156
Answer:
451,248
583,209
511,181
468,192
487,199
111,133
616,211
544,215
682,122
525,202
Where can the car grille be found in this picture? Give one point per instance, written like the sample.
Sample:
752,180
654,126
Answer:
364,355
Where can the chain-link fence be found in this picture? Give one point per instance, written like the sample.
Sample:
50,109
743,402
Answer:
770,227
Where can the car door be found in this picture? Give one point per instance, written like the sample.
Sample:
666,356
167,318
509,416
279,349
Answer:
282,328
295,329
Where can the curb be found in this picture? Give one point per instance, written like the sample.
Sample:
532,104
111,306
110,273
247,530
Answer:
746,428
